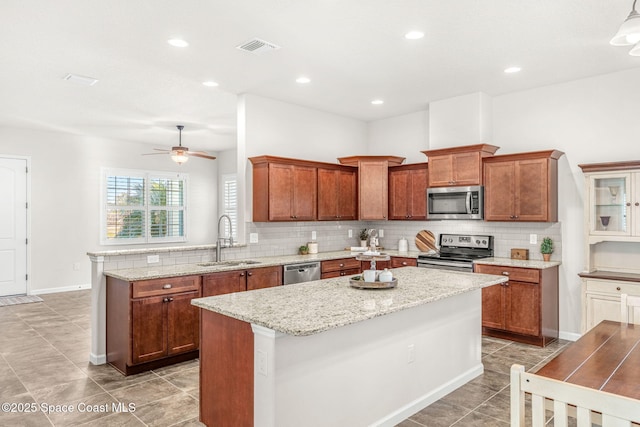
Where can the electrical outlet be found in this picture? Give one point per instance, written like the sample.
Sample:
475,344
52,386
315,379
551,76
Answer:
381,233
411,353
533,239
253,237
153,259
350,233
261,361
313,236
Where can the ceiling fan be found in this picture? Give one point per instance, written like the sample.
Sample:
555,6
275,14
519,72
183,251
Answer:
180,154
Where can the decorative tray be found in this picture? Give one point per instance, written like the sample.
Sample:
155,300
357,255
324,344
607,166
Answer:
359,283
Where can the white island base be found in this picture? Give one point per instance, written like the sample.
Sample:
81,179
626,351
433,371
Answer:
374,372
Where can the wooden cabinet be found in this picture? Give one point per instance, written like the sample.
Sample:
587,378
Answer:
241,280
524,309
339,267
522,187
337,194
373,182
284,189
408,192
457,166
397,261
151,323
380,265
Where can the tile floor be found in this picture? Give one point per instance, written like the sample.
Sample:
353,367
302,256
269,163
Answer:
44,349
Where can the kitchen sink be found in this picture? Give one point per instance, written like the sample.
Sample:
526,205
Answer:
229,263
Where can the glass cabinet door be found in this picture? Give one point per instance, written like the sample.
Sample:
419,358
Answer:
609,204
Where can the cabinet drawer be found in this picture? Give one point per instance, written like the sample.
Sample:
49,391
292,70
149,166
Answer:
340,264
340,273
612,287
514,273
169,285
403,262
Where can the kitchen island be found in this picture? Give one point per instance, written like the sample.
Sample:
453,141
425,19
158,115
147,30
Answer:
323,353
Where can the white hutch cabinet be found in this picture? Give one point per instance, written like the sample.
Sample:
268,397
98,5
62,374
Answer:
612,237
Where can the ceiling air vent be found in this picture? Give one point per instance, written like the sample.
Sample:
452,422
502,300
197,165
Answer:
257,46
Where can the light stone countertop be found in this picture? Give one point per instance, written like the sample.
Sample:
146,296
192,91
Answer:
508,262
313,307
162,271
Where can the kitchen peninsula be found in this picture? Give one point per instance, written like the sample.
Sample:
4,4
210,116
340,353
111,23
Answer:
323,353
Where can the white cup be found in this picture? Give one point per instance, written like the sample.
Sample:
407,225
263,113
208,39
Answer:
369,275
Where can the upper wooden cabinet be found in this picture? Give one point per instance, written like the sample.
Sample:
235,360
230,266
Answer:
373,177
457,166
407,192
521,187
284,189
337,193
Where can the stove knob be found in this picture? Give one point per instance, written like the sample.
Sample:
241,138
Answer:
477,242
484,242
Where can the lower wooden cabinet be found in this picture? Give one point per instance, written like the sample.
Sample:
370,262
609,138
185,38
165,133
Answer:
398,261
241,280
525,308
152,323
339,267
380,265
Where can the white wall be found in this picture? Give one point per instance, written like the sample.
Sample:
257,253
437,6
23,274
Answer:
591,120
404,136
65,204
462,120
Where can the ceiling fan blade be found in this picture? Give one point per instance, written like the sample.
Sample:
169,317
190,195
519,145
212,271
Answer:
153,154
201,154
162,149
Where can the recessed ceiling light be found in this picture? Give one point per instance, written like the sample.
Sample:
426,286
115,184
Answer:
303,80
210,83
177,43
80,80
377,102
512,70
414,35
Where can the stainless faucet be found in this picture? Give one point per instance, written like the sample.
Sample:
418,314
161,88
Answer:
224,242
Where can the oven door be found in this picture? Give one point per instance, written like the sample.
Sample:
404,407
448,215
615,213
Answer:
466,267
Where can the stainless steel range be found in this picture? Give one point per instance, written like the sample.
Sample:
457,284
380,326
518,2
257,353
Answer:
457,252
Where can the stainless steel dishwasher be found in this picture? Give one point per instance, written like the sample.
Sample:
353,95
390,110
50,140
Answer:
302,272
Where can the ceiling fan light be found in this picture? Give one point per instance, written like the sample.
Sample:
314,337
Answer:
179,156
629,32
636,50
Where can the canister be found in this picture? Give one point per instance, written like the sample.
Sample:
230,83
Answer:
313,247
403,245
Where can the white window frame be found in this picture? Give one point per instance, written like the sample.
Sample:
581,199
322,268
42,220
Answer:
146,208
229,208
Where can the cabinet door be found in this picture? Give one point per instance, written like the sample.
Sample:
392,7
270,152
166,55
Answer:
148,329
266,277
280,192
601,307
373,185
441,171
327,194
380,265
466,169
305,187
499,191
399,193
347,195
522,308
609,207
403,262
183,323
493,307
532,190
418,195
223,283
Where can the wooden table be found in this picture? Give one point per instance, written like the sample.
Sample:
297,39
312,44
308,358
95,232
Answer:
605,358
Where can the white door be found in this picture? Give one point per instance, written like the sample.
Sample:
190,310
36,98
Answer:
13,226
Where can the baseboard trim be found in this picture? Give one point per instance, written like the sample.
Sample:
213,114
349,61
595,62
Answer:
61,289
422,402
97,359
569,336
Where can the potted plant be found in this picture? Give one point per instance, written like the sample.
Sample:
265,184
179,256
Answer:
364,235
303,250
546,248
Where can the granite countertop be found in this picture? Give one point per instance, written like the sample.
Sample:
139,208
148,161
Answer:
522,263
158,272
313,307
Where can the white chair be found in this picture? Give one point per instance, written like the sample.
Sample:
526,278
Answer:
566,400
628,304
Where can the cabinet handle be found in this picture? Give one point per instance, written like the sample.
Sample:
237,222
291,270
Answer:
341,265
167,286
637,204
404,262
628,203
241,274
249,274
618,288
505,284
505,273
342,273
167,299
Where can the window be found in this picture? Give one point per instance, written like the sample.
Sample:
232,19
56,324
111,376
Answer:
143,207
230,204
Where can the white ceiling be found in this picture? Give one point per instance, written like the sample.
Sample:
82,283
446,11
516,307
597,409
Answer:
353,50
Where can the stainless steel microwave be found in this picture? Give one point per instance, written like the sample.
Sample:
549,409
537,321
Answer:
455,202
